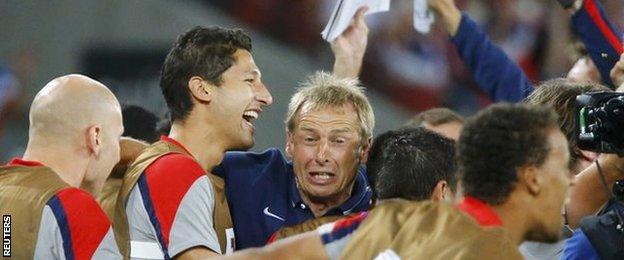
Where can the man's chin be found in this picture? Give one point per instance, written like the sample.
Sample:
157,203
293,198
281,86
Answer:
243,146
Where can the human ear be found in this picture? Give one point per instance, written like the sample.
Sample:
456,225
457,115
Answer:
200,89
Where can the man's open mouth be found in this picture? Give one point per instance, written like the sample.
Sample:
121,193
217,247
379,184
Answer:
318,177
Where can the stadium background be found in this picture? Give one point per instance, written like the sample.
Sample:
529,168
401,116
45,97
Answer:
122,43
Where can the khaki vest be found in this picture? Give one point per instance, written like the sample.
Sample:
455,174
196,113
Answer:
426,230
108,196
24,192
222,220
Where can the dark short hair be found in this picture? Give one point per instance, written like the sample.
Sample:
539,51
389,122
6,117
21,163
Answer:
561,94
408,163
139,123
499,140
205,52
435,117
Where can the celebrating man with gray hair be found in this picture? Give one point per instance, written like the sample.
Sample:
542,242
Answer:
329,127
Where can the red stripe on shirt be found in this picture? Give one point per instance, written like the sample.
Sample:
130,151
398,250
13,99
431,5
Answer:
349,221
169,178
21,162
480,211
87,222
594,13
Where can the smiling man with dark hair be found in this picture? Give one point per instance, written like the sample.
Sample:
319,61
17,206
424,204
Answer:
170,204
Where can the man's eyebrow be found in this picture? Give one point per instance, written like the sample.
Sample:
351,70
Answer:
307,128
342,130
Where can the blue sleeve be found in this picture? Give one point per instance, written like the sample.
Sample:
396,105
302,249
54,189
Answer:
495,73
599,37
578,247
247,166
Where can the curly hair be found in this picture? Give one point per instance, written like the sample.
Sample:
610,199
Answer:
201,51
499,140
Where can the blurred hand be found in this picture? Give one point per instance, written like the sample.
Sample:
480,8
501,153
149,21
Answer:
129,149
571,5
584,70
617,74
350,46
448,12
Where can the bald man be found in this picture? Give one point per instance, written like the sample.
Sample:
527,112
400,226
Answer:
75,126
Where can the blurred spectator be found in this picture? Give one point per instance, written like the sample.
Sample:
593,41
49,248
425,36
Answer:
423,71
139,123
9,94
410,67
440,120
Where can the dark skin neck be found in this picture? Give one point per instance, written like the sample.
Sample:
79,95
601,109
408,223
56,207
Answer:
515,219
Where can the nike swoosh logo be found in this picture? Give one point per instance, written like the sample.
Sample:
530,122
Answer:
266,212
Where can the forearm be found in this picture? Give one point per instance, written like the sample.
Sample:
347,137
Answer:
350,46
598,35
495,73
449,15
348,67
303,246
588,194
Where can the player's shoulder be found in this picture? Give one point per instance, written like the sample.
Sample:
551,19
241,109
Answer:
79,205
174,169
170,179
340,228
82,223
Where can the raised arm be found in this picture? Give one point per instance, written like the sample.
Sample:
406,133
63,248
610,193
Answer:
617,74
597,34
495,73
350,46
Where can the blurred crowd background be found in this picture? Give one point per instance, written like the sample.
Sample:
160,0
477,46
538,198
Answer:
122,43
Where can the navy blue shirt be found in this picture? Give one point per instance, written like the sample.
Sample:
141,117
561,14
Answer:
503,80
263,196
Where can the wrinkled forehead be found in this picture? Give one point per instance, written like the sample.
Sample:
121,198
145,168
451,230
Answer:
344,115
333,109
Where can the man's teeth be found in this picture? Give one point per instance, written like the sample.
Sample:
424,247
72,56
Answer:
252,114
322,175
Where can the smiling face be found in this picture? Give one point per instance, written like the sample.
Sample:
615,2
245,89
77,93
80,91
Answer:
238,101
326,147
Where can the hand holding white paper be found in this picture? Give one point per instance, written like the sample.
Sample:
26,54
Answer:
423,17
343,14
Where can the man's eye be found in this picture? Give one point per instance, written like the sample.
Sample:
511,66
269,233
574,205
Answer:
249,80
339,141
309,139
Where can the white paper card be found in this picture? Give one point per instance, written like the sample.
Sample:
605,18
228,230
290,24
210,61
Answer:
343,14
423,17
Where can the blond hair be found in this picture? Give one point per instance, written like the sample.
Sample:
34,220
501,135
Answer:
321,90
